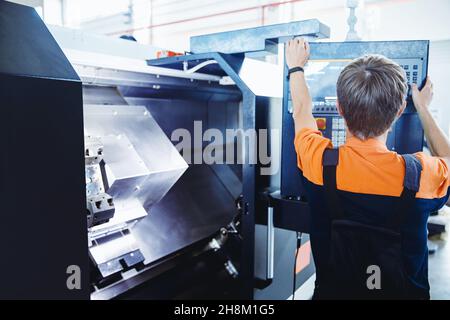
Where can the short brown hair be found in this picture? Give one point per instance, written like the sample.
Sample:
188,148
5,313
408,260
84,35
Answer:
371,91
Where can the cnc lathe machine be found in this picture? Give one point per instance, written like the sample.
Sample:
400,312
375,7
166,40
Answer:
98,202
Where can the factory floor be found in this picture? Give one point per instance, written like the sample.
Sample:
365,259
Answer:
439,261
438,271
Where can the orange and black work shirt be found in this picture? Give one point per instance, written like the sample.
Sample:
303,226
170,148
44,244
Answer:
369,179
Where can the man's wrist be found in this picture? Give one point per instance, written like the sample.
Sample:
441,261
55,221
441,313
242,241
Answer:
421,108
295,70
297,66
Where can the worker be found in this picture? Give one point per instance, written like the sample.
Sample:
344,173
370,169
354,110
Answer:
369,205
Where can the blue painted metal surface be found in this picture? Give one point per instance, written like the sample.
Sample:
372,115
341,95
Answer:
261,40
355,49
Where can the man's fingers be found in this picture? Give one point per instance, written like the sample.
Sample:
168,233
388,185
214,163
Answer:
429,83
302,43
307,47
300,40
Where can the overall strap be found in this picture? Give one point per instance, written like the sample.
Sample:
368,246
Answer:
330,161
411,184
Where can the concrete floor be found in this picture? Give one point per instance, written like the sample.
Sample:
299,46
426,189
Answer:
439,262
439,271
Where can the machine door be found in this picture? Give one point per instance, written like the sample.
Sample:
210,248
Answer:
326,62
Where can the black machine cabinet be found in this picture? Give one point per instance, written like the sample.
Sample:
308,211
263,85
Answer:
43,240
322,71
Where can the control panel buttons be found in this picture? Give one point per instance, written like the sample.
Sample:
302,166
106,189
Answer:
321,123
338,133
412,71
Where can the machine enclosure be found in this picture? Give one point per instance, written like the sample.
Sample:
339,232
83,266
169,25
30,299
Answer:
43,241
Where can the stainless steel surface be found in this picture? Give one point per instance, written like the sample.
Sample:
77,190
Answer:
140,166
270,243
115,251
116,246
130,213
140,161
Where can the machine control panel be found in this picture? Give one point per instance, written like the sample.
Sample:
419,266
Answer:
322,77
322,72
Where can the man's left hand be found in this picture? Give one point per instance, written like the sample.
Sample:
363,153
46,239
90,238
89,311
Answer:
297,53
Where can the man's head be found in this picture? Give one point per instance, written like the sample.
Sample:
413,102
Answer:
371,94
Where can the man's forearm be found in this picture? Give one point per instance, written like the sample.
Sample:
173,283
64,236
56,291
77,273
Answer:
301,103
436,139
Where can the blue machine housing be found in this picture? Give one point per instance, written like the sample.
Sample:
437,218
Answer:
406,135
258,41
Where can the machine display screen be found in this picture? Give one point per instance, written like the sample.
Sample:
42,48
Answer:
321,77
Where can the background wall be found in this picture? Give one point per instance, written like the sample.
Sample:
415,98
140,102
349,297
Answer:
170,23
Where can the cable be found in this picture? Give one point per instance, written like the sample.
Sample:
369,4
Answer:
299,244
197,67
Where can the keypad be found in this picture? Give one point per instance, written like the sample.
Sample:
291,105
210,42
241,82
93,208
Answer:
412,70
338,133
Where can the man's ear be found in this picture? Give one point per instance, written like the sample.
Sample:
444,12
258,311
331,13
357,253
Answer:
400,112
339,107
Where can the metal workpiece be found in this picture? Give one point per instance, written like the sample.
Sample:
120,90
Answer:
100,209
99,204
258,41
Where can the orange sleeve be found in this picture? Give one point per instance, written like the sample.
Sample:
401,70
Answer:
434,180
309,146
